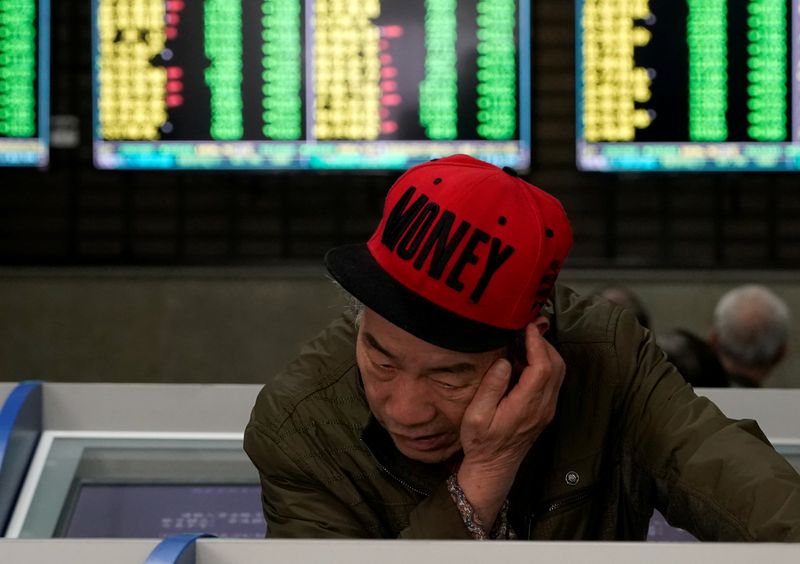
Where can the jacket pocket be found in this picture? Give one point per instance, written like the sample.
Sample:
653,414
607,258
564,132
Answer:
570,516
571,500
553,507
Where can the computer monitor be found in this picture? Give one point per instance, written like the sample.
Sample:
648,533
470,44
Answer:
134,484
130,510
701,85
24,83
312,84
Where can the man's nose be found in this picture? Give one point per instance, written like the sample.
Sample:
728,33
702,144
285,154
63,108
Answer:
410,405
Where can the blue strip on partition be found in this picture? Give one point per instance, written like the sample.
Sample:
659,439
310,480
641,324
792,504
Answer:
20,427
176,549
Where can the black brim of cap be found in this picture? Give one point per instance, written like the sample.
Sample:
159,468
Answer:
353,267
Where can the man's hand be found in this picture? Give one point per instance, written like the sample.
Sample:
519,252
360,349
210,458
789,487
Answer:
498,429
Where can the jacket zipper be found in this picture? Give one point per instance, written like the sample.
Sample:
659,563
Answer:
568,501
556,505
396,478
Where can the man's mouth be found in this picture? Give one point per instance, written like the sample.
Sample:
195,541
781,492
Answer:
421,442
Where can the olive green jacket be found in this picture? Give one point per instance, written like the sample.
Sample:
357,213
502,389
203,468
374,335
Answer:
629,435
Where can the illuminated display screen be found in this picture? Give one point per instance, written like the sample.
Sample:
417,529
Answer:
688,85
661,531
24,82
161,510
315,84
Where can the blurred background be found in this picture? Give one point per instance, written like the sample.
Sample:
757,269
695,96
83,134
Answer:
215,276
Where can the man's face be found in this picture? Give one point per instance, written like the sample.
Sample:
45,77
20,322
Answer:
416,390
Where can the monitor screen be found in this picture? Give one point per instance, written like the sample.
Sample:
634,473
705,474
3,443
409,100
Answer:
314,84
700,85
160,510
661,531
24,82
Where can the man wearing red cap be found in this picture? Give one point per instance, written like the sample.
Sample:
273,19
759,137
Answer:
470,397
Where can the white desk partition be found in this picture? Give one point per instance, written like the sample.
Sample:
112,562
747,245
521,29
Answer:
776,410
195,408
220,551
223,551
76,551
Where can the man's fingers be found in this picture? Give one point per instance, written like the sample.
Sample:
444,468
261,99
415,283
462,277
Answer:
491,390
540,381
535,345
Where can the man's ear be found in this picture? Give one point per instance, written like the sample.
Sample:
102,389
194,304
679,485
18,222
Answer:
542,324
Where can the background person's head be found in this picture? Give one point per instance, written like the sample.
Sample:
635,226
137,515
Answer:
750,331
464,258
628,299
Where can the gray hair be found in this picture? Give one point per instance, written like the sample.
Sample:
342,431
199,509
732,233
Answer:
352,306
355,308
752,325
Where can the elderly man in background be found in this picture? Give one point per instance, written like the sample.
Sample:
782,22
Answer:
750,333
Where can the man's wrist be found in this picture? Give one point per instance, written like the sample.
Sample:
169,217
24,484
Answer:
500,528
486,488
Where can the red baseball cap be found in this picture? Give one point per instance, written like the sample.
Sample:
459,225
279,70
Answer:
465,256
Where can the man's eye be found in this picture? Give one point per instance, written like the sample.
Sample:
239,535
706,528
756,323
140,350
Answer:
445,385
